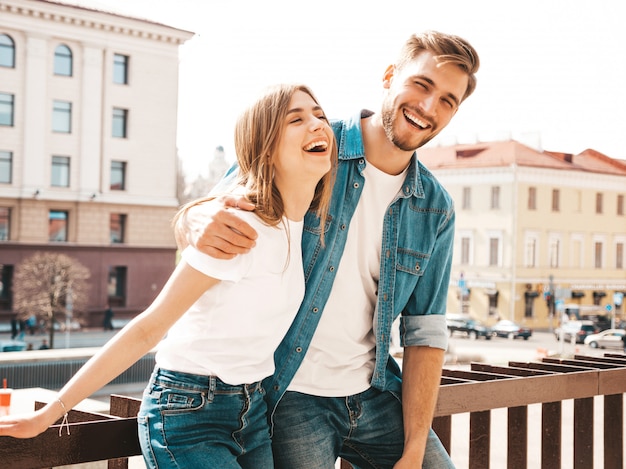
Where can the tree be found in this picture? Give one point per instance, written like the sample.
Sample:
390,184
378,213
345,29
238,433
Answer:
50,286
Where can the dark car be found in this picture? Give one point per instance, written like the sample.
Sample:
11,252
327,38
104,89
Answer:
578,330
467,326
511,330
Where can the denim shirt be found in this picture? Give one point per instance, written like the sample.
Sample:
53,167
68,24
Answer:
416,255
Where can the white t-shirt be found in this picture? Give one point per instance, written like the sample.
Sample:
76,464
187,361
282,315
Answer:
234,328
340,359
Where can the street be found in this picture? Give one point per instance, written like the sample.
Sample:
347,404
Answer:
461,349
501,351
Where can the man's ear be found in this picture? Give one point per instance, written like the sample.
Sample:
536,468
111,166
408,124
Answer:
388,76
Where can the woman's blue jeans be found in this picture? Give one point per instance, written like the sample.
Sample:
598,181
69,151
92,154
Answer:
193,421
365,429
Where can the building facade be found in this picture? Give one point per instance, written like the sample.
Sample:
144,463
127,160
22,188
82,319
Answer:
538,233
88,160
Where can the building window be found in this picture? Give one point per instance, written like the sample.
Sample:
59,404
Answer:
494,251
62,117
57,225
529,303
599,202
7,51
530,252
120,69
120,122
7,105
495,197
598,246
117,227
465,250
5,223
554,252
118,175
6,167
6,287
467,198
597,297
493,303
63,61
620,204
532,198
556,200
619,255
116,287
60,174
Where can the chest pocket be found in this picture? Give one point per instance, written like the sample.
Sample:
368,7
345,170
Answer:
411,262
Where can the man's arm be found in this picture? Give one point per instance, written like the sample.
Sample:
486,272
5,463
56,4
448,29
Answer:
421,376
213,227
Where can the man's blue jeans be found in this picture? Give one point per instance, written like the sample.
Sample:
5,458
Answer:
193,421
366,429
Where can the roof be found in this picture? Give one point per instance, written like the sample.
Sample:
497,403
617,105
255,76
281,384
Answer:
510,152
102,9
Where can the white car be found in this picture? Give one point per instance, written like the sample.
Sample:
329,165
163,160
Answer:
611,338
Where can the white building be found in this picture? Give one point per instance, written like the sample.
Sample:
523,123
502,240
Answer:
532,223
88,160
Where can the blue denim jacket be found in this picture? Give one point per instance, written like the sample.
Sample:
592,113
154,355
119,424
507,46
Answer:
418,235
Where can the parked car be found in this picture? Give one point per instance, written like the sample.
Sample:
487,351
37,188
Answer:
472,328
511,330
576,329
12,345
611,338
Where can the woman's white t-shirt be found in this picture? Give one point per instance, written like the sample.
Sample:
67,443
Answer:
234,328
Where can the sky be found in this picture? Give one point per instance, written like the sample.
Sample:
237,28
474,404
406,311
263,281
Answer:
552,75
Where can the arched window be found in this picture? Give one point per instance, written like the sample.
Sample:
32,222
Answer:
7,51
63,61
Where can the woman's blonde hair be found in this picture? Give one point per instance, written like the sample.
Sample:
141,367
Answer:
257,133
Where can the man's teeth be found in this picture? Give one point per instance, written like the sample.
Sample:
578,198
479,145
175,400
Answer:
316,146
416,121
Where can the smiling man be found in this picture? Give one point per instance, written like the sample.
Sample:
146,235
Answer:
336,391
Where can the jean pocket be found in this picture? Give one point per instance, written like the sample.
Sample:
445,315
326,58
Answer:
175,400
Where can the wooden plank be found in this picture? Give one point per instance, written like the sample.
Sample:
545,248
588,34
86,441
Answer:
583,433
612,381
613,431
551,435
473,375
508,370
87,442
515,392
480,439
442,426
517,438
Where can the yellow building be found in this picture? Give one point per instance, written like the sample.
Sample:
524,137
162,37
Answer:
88,160
536,231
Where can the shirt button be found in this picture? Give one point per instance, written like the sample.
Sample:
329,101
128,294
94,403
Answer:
315,310
343,226
332,268
356,185
299,349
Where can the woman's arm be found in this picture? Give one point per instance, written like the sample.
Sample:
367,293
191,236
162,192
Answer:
183,288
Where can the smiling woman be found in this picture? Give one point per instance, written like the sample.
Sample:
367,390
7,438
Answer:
220,330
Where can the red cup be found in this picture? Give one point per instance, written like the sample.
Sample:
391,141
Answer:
5,400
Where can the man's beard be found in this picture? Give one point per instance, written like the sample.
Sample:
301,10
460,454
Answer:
388,115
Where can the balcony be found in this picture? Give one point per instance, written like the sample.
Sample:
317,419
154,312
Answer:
574,404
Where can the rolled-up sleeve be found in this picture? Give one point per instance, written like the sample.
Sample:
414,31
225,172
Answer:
427,331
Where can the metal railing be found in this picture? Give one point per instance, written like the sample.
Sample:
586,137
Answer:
477,392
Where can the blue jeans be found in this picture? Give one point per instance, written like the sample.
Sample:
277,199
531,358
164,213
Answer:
193,421
366,429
